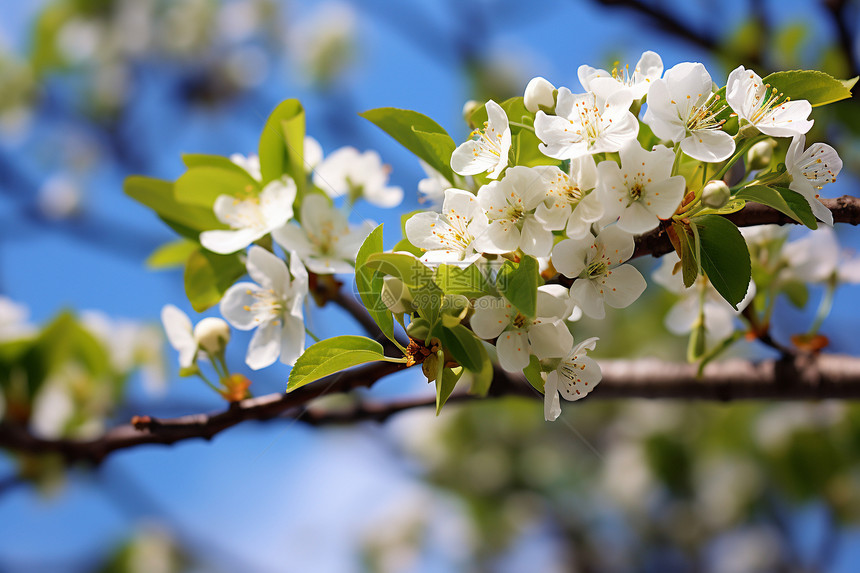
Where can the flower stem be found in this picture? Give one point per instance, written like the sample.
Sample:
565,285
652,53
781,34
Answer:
208,382
522,125
738,154
823,307
311,334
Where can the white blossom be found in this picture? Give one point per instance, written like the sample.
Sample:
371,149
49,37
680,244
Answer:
701,299
596,265
817,257
682,108
518,336
488,149
273,306
570,204
539,93
251,218
584,124
510,206
349,172
449,236
250,163
648,69
641,191
325,242
575,377
764,107
432,187
180,334
810,170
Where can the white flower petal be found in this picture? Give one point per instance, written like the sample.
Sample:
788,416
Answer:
513,350
292,340
551,401
623,286
550,339
265,346
268,270
227,242
492,316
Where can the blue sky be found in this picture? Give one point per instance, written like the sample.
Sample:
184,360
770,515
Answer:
270,494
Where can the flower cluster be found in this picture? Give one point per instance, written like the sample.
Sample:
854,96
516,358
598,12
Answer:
532,224
597,178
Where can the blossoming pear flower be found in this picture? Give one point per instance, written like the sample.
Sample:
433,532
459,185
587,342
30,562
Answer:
312,154
641,191
180,334
325,242
575,377
251,164
518,336
540,93
488,149
701,299
432,188
765,108
648,69
817,257
510,207
273,306
349,172
810,170
449,236
586,123
251,218
570,204
596,265
683,108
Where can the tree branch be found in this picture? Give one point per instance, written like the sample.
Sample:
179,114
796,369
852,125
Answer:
801,378
845,209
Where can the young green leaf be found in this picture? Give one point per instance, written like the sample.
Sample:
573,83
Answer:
282,144
483,378
208,276
464,347
532,374
518,282
417,133
202,185
368,283
468,281
687,254
445,385
333,355
724,257
172,254
187,220
783,200
816,87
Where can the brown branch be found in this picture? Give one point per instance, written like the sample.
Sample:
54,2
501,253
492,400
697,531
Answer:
802,378
845,209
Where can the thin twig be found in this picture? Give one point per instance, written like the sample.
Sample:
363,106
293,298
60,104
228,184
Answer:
804,378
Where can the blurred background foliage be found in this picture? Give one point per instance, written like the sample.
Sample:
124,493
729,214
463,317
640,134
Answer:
93,90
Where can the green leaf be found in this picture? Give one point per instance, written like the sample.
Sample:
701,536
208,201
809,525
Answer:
208,276
797,293
783,200
192,160
187,220
405,246
816,87
332,355
532,374
282,143
518,282
445,385
464,347
202,185
483,378
468,281
724,257
417,133
417,277
172,254
687,254
368,283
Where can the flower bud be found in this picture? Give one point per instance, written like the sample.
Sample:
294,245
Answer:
418,329
469,108
212,334
540,94
761,154
716,194
395,295
431,367
235,388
